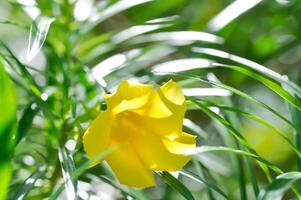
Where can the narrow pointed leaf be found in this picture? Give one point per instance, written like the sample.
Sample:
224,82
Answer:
205,182
26,121
279,186
112,10
28,184
176,184
67,166
37,36
7,121
80,170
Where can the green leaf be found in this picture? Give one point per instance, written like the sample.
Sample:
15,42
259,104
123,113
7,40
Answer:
237,135
270,84
295,116
205,182
67,166
16,24
90,43
28,184
259,120
239,93
222,19
5,174
7,104
240,165
7,122
132,193
81,169
204,149
251,65
176,184
266,79
112,10
32,85
26,120
279,186
172,36
37,36
204,174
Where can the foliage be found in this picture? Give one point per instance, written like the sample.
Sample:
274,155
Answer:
229,57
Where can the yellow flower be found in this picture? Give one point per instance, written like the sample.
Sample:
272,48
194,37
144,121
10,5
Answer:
146,124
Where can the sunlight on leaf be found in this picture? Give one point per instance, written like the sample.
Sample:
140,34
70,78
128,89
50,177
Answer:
230,13
238,59
236,62
67,166
26,187
203,92
107,66
180,36
181,65
135,31
163,19
37,36
251,64
81,169
83,9
30,8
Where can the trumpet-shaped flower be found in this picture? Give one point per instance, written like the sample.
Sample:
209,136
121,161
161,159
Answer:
146,124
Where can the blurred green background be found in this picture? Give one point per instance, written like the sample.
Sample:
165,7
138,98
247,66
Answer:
63,55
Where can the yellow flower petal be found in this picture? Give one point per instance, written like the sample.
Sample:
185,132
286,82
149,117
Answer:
97,137
167,127
129,169
172,92
165,115
128,96
122,128
155,154
181,145
147,126
154,108
127,105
